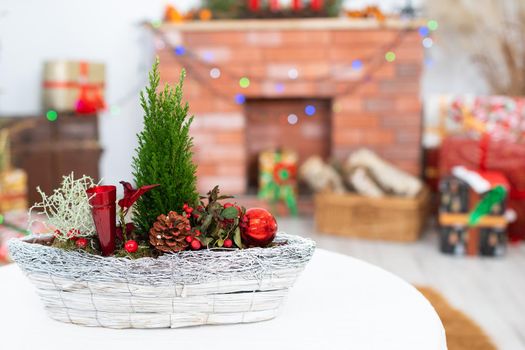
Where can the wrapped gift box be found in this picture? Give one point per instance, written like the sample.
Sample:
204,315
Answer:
278,178
503,156
13,190
488,237
74,86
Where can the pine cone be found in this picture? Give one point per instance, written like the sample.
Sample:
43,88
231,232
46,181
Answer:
169,233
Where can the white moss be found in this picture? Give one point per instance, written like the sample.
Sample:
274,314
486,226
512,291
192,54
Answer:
67,210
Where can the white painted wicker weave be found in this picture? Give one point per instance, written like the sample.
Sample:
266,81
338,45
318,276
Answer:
176,290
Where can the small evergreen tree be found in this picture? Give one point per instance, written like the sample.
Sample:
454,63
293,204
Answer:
164,153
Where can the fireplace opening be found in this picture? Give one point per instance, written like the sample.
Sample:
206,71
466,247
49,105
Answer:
300,125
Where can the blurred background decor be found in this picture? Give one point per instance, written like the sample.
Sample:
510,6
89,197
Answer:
339,95
13,182
73,87
229,9
492,34
483,133
47,149
473,212
278,178
379,200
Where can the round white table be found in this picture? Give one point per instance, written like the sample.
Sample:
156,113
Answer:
338,303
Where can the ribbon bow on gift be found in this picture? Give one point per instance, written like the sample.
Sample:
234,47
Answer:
90,98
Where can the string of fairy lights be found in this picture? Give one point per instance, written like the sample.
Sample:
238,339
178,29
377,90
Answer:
363,68
204,68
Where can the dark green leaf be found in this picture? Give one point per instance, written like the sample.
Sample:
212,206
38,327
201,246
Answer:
229,213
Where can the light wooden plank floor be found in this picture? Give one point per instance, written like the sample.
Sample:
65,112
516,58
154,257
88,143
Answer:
490,290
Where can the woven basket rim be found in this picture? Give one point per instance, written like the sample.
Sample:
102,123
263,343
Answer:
279,238
187,267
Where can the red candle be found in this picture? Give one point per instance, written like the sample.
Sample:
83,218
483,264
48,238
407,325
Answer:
104,211
316,5
274,5
253,5
296,5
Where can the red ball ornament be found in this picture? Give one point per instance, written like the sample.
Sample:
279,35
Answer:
131,246
81,243
227,243
258,227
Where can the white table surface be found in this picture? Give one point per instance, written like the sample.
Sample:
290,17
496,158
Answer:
338,303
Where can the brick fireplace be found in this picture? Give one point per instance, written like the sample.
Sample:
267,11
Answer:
376,106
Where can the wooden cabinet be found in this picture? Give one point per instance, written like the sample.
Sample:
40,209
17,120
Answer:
48,150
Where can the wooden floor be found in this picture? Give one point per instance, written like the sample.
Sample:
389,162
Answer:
490,290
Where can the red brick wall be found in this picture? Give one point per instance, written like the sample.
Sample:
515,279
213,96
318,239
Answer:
383,114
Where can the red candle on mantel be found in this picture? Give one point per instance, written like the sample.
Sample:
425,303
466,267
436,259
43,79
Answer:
296,5
253,5
274,5
104,211
316,5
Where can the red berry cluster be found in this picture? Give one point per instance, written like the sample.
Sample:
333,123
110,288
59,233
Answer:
73,235
188,210
195,243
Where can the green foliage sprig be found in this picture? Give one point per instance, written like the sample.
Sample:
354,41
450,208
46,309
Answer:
164,153
216,222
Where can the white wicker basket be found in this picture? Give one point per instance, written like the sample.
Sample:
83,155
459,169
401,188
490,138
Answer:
176,290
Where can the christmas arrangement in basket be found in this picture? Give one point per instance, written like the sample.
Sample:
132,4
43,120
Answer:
175,258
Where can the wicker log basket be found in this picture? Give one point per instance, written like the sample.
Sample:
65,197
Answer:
176,290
